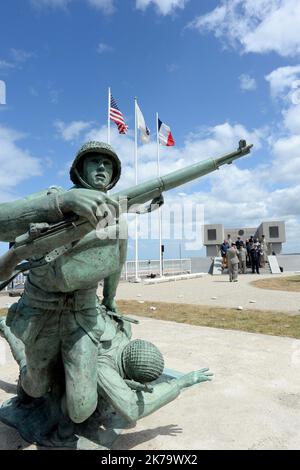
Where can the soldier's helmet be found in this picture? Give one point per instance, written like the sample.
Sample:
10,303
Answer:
142,361
76,171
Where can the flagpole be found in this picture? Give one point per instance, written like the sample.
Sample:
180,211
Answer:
136,182
159,209
108,117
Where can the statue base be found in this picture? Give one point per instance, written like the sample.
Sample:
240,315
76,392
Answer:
37,422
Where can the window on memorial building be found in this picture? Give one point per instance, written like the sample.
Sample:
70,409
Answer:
212,234
274,231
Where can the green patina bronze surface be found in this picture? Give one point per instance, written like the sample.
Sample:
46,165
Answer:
78,365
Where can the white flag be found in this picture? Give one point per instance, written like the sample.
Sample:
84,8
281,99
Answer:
141,125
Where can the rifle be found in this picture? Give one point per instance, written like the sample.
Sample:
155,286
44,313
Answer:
49,241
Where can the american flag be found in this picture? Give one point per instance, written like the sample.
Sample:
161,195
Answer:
116,116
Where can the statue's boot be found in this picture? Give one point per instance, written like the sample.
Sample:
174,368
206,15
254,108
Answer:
64,430
66,427
22,395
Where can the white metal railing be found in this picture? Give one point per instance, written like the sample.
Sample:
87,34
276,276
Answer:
148,268
18,281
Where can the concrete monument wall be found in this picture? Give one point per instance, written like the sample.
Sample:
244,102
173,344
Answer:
215,234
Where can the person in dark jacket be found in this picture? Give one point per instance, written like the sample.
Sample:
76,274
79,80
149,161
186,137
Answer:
239,242
224,248
249,246
255,254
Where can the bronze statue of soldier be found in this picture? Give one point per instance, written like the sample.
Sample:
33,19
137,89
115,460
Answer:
67,344
53,323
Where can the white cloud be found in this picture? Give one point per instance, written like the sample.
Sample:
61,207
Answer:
54,92
220,138
286,164
71,131
50,3
16,164
33,91
255,25
163,7
247,83
172,67
287,201
243,198
292,119
211,142
106,6
65,170
292,232
232,196
102,48
4,65
284,81
20,56
54,96
285,87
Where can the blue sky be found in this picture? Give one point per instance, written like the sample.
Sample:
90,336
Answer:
215,71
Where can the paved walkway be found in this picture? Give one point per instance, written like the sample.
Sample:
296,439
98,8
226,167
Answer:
252,403
208,290
216,290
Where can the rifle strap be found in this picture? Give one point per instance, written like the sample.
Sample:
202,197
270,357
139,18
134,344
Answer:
20,268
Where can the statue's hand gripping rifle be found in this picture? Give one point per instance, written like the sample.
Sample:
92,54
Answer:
45,242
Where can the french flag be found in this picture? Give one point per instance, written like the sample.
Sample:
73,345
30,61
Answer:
164,134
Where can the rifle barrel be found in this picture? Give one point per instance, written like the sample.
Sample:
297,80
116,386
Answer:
150,189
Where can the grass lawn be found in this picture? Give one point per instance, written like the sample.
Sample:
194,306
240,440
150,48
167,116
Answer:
254,321
290,284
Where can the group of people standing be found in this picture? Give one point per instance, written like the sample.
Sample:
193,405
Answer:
239,255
